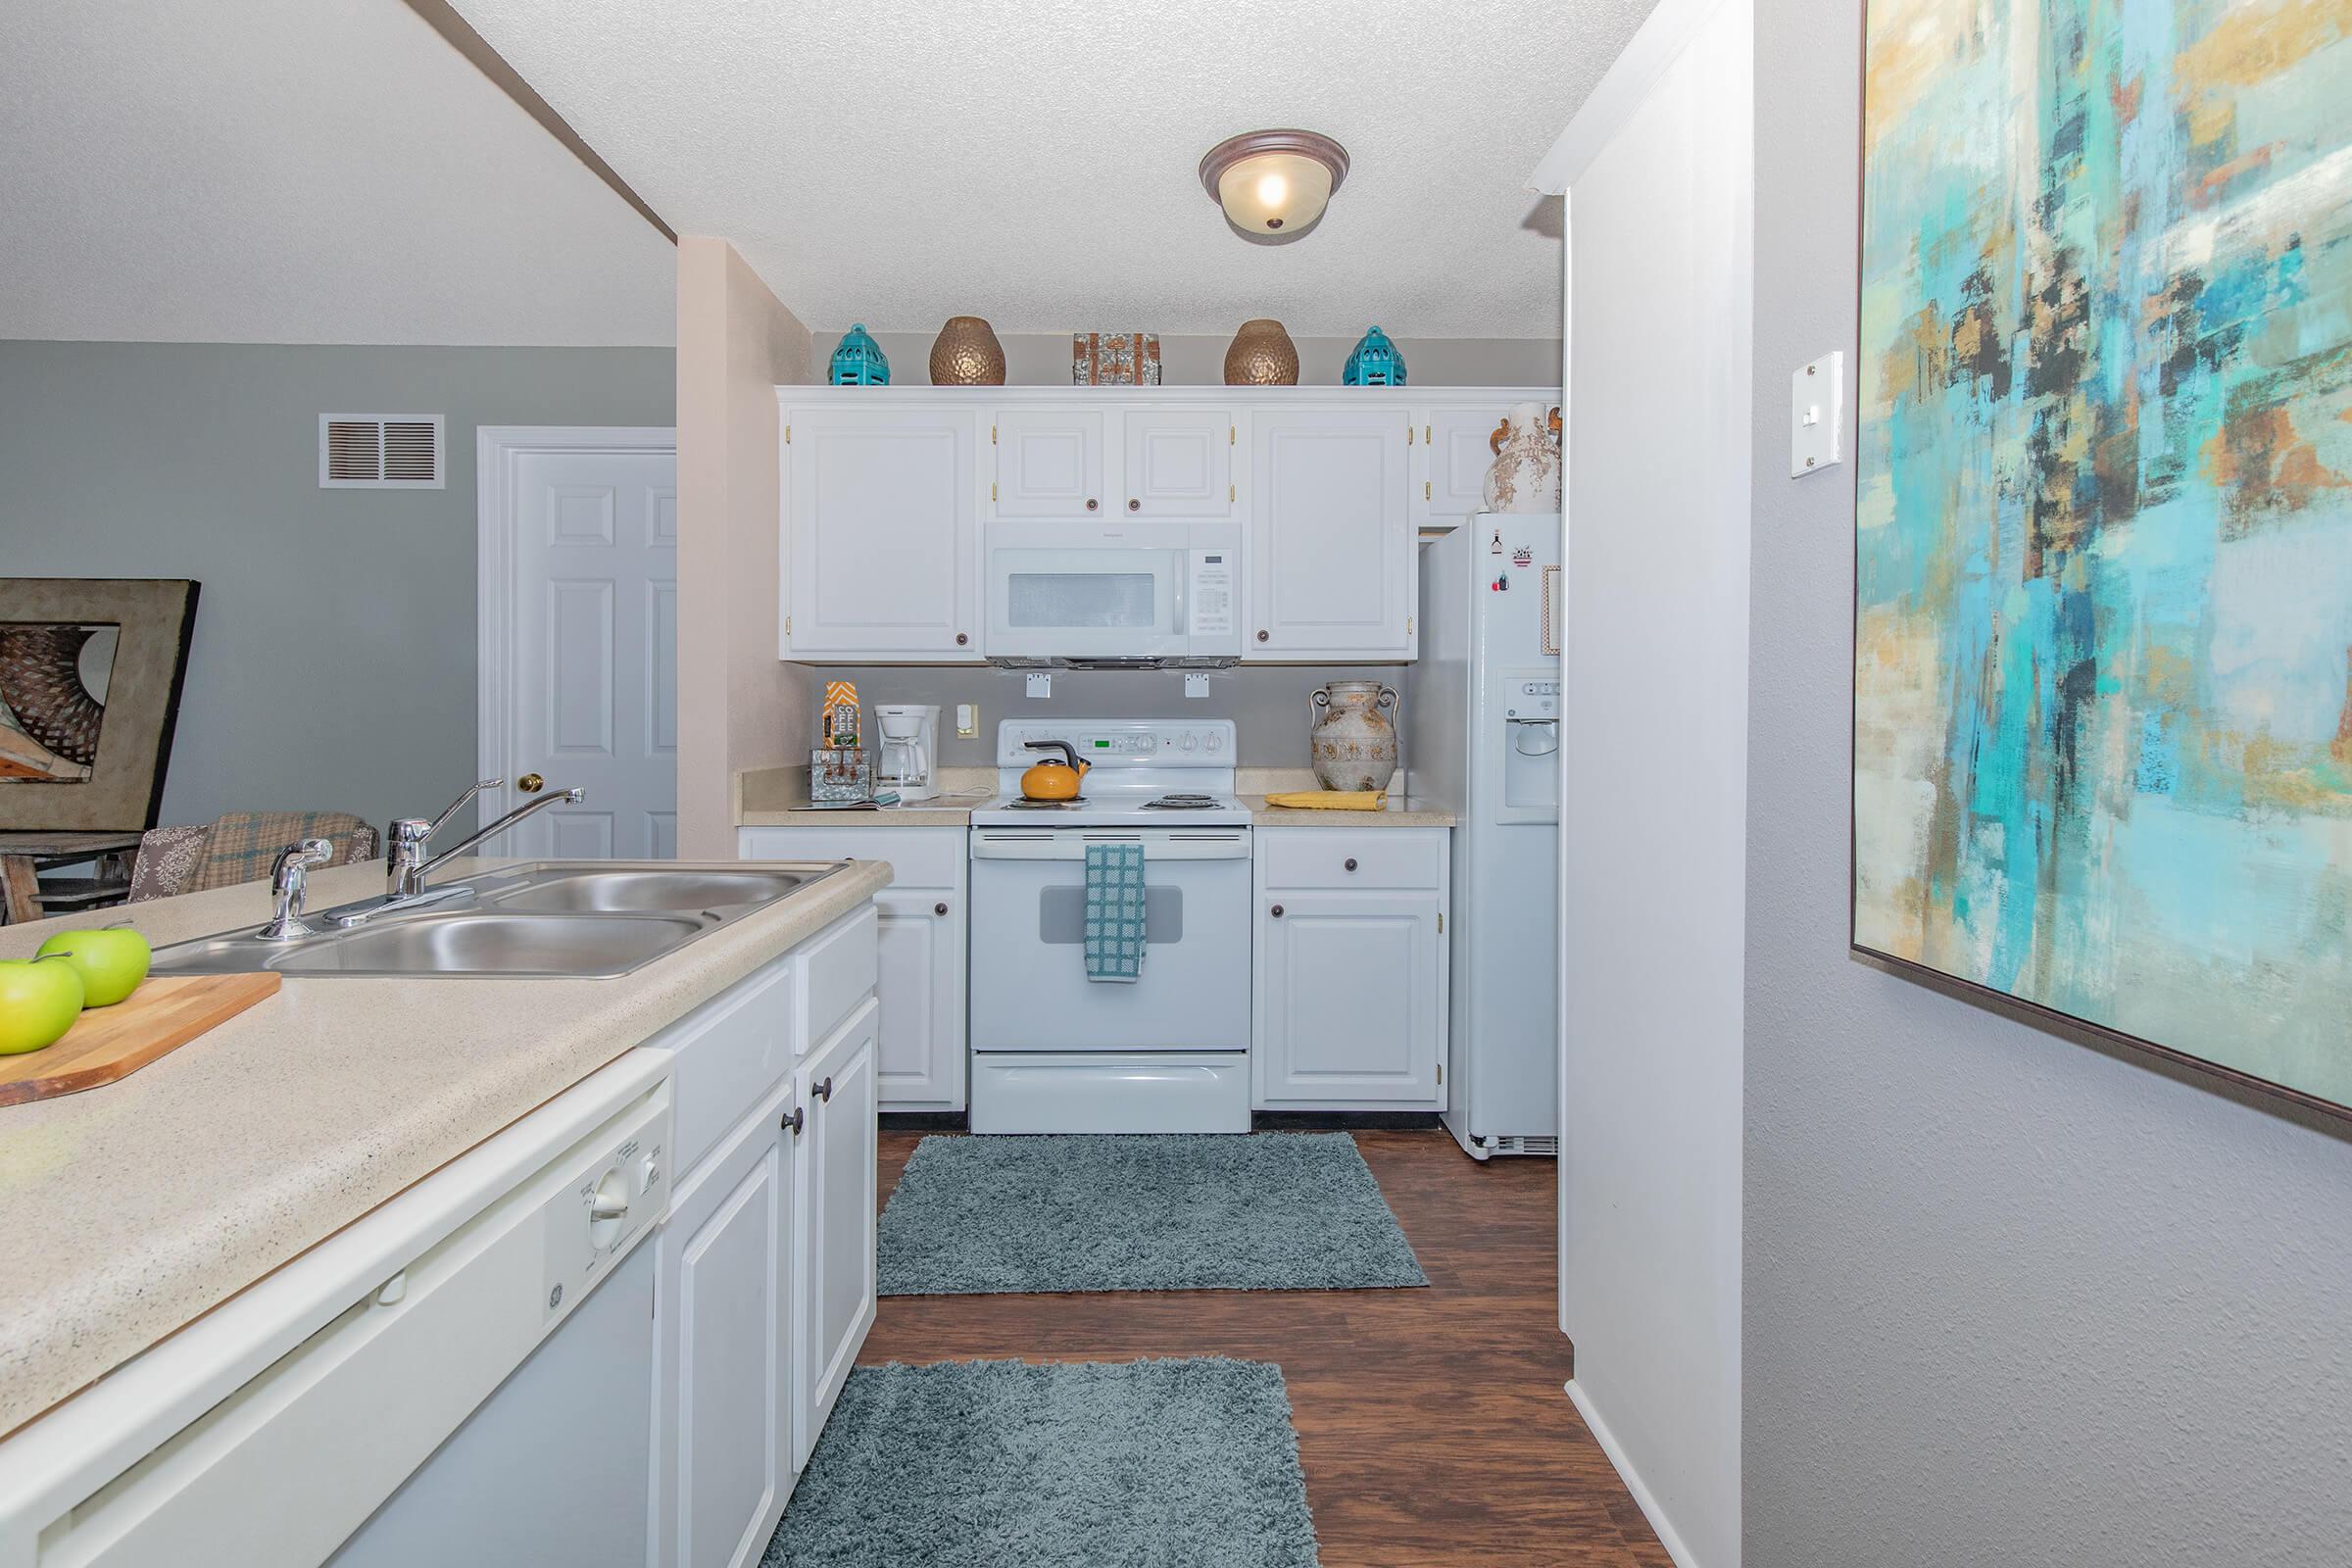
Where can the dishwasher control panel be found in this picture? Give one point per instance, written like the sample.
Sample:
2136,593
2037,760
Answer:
617,1187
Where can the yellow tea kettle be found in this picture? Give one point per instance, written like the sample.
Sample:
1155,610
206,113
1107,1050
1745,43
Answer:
1056,777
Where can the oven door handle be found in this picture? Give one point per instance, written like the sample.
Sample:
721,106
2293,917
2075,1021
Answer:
1160,843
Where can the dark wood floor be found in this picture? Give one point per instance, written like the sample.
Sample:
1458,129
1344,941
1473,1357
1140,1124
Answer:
1431,1423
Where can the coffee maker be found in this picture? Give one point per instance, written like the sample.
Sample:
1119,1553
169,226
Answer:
909,746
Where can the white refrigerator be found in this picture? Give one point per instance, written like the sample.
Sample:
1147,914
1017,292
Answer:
1484,706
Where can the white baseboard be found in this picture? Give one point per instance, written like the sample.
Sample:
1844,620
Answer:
1643,1499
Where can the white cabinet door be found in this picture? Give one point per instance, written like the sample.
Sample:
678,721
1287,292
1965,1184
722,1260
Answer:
1331,542
833,1239
723,1309
1454,456
1178,463
882,559
1348,1009
1049,463
921,1066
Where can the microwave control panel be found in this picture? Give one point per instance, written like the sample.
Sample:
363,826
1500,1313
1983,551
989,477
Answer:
1210,593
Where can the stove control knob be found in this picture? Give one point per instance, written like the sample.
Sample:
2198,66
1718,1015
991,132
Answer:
1188,743
1217,743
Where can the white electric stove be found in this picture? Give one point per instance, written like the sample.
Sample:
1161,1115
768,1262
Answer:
1054,1051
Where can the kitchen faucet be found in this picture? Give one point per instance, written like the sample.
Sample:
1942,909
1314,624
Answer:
406,865
287,884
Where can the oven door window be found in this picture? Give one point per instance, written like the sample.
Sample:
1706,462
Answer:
1088,601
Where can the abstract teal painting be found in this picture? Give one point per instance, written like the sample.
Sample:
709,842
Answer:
2103,545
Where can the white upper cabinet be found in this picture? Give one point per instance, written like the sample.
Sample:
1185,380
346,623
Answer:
890,495
1329,547
1049,463
1178,465
1454,455
882,556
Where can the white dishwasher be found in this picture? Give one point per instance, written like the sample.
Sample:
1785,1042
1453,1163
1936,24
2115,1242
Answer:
489,1401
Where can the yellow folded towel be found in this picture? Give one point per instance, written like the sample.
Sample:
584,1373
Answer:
1332,800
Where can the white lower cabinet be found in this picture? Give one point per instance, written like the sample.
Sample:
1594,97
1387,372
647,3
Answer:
1350,972
923,1062
835,1146
726,1460
766,1283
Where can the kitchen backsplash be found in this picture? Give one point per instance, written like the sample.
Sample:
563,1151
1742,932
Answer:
1267,704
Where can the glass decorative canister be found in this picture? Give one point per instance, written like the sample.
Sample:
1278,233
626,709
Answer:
1353,742
859,361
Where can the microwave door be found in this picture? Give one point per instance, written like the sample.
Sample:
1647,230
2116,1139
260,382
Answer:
1085,604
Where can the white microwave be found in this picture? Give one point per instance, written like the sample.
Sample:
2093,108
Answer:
1147,592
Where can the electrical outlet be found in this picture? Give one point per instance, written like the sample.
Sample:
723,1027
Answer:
1196,683
1041,683
967,721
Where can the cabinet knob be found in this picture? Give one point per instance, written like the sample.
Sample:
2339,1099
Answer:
1261,636
824,1090
1134,505
1092,503
1277,911
962,639
1351,862
938,908
792,1123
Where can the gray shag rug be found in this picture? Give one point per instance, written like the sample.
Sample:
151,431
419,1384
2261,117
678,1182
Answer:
1256,1212
1171,1464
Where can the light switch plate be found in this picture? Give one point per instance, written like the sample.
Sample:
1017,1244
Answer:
1041,683
967,721
1816,414
1195,684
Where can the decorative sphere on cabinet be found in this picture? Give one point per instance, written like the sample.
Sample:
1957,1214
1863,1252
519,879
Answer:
1261,354
966,353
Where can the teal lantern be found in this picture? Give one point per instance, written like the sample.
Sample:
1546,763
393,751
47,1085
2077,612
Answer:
1374,363
860,361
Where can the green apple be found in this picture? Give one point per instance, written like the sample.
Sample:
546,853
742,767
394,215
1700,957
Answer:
39,1000
112,961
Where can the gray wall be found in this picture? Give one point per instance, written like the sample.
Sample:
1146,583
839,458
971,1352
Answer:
1043,359
333,664
2011,1299
1266,702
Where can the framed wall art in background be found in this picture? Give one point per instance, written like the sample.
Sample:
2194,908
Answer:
2103,547
91,672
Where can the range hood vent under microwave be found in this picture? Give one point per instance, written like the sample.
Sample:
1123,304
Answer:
1115,663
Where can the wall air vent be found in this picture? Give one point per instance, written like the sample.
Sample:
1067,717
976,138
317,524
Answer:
381,452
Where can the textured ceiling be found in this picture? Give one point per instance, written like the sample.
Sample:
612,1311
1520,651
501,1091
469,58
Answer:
296,171
1035,163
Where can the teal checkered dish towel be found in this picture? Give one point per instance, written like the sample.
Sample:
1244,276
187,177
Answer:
1114,912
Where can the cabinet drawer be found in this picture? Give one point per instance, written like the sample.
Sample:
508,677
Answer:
1335,857
838,969
919,856
730,1050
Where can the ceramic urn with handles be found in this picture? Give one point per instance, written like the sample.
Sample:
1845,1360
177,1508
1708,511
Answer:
1525,475
1353,742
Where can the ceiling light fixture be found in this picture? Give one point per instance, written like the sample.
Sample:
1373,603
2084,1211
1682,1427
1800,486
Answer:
1274,182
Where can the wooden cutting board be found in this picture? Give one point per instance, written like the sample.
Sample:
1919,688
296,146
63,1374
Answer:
106,1044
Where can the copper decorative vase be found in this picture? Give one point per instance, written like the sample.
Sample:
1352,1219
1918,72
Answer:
966,353
1261,354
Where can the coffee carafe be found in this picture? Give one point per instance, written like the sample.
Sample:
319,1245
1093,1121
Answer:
909,748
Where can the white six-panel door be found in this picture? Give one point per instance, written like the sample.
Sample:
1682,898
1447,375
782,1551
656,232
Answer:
579,605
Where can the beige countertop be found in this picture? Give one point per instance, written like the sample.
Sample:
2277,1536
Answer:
1399,813
778,797
130,1211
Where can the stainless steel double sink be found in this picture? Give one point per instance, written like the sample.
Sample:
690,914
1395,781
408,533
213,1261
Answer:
584,920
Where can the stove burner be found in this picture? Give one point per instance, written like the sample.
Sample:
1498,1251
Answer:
1027,805
1182,803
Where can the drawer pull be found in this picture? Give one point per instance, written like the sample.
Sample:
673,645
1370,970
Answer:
1351,862
1278,912
824,1090
962,639
1261,636
792,1123
1134,505
1092,503
938,908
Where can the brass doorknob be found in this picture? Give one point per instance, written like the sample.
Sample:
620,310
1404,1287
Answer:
530,783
